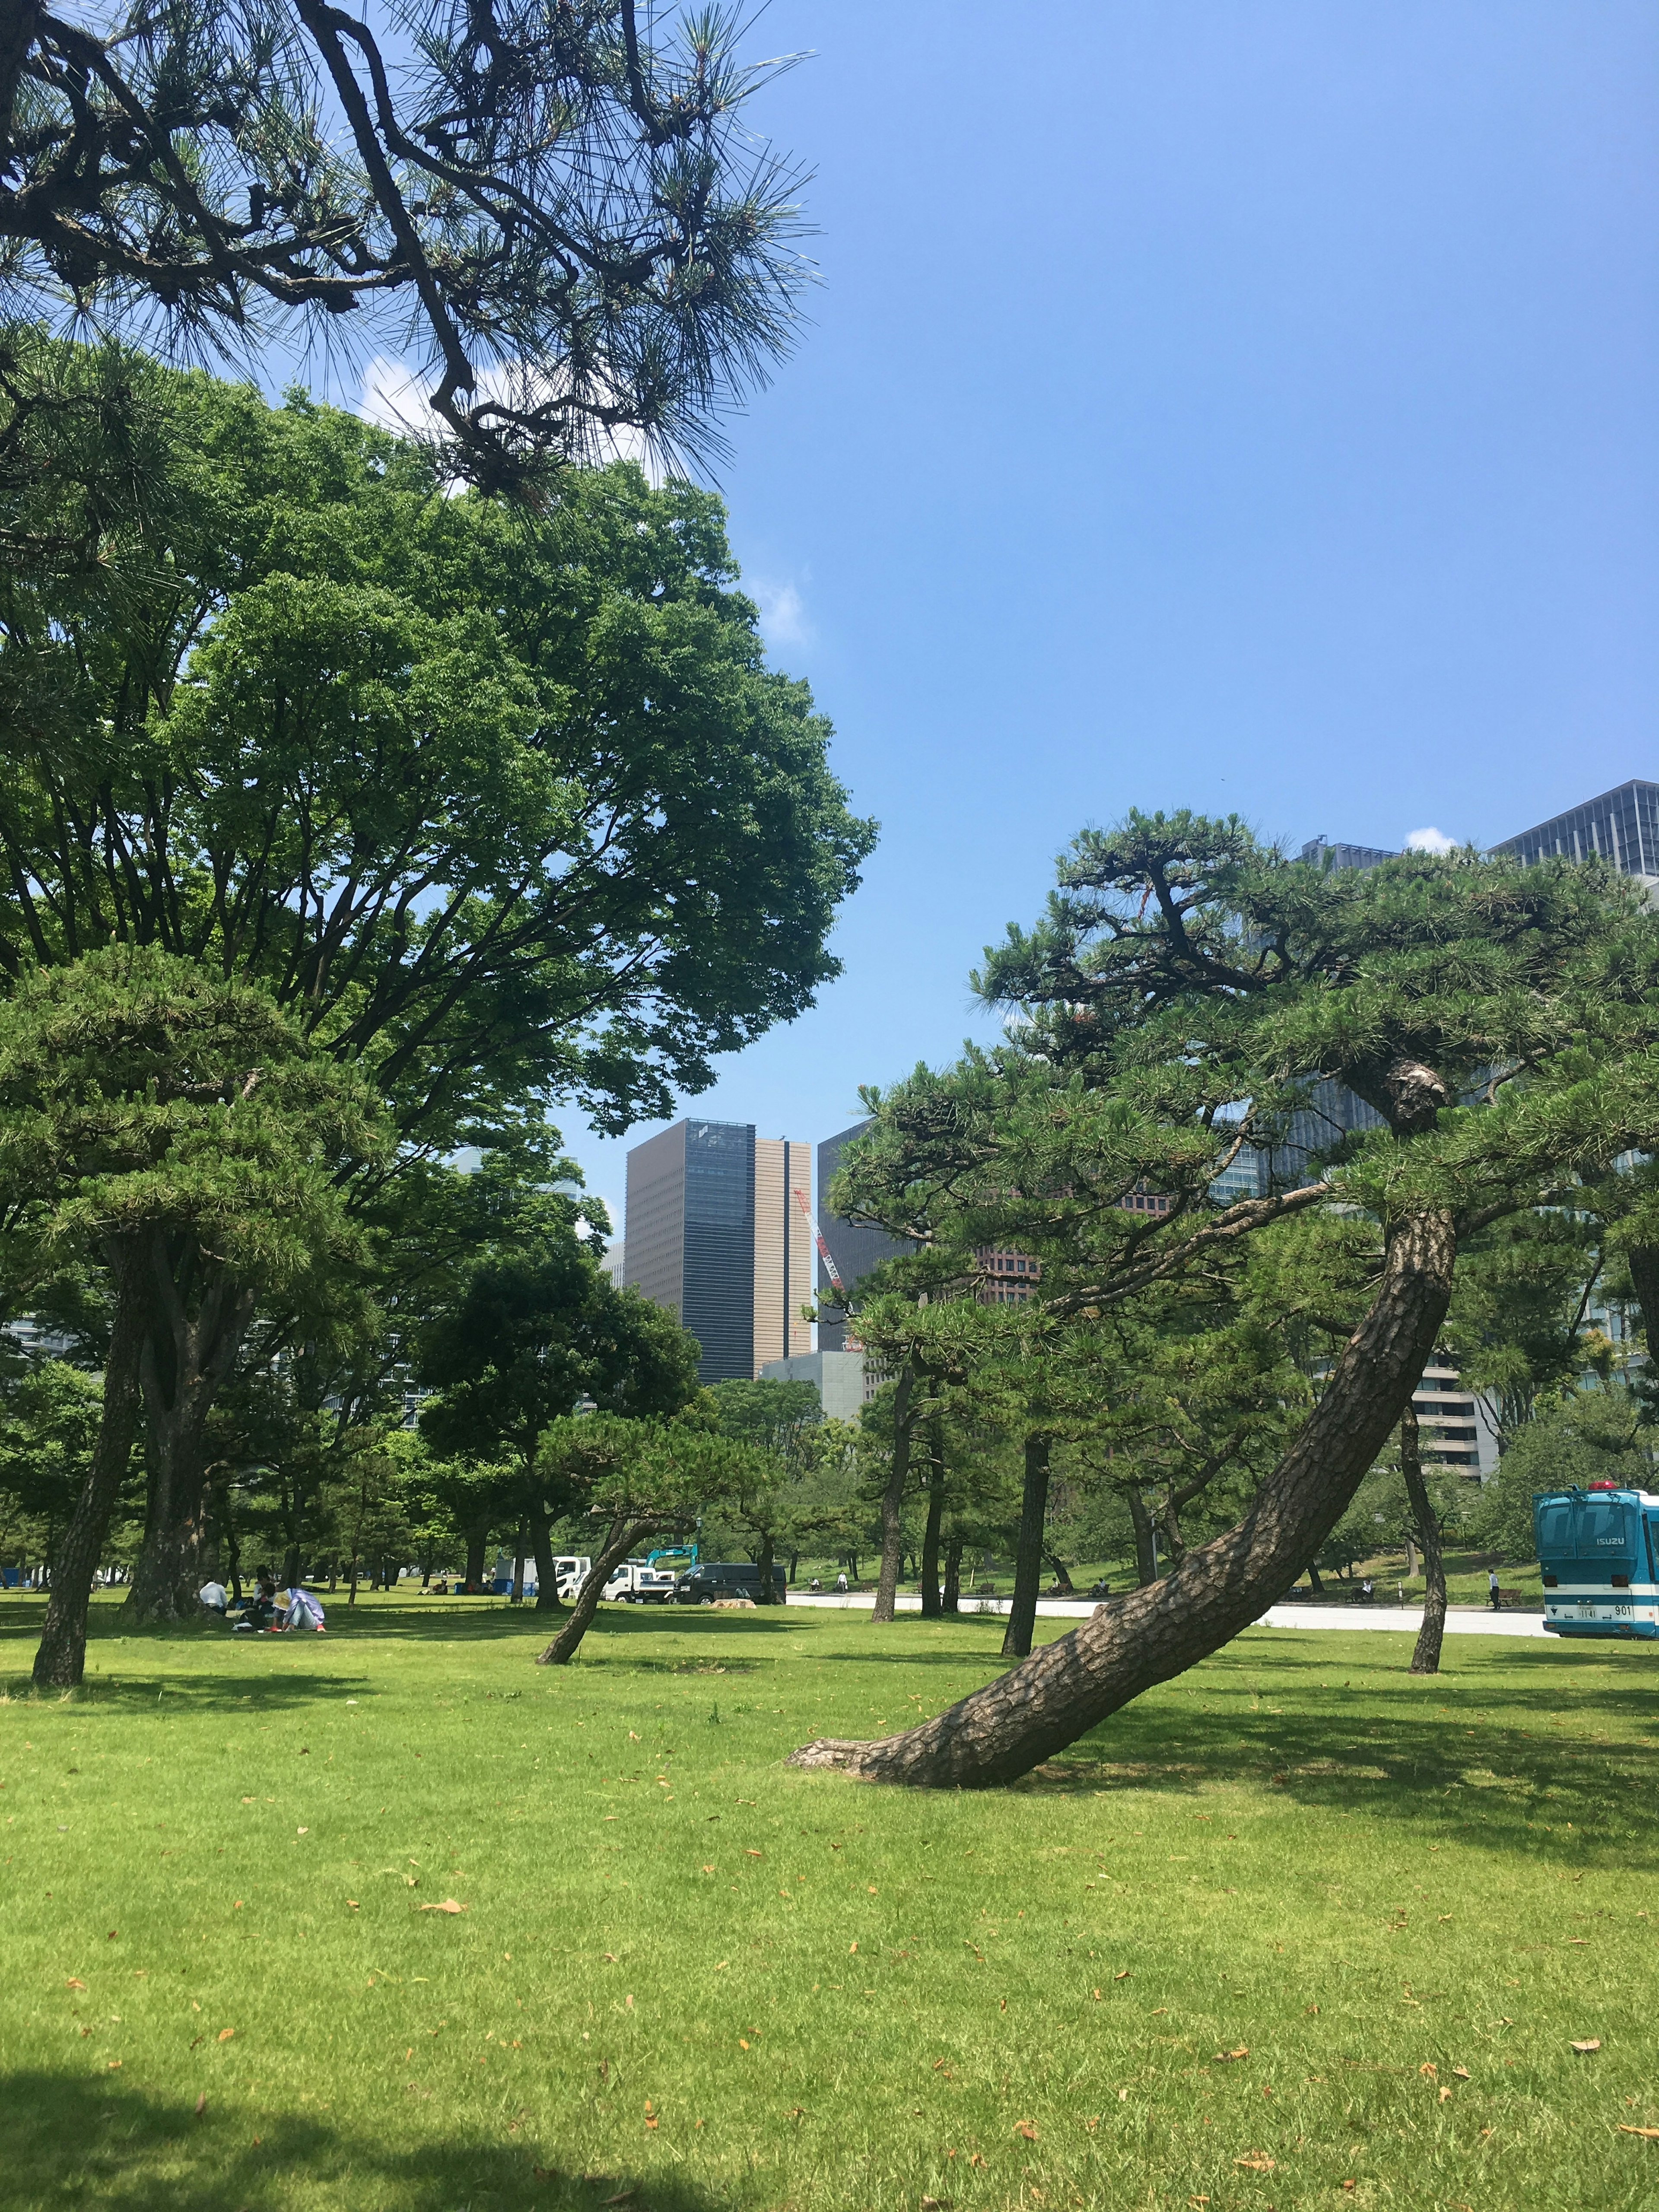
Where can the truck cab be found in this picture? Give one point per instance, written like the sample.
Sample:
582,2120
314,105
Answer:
1598,1556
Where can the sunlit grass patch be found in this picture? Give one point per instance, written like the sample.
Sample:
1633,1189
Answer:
1296,1921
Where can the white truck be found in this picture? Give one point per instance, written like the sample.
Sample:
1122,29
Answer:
635,1584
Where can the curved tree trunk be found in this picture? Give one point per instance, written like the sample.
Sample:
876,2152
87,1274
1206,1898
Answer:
1067,1687
768,1592
1425,1659
892,1501
623,1535
541,1542
1028,1559
60,1661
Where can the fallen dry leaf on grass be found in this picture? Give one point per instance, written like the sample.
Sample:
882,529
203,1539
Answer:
1226,2056
1026,2130
448,1905
1427,2067
1444,2093
72,1983
1259,2162
1462,2072
936,2203
1652,2134
1591,2043
1123,1977
225,2034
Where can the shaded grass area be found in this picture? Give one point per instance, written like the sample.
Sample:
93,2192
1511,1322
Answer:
1234,1947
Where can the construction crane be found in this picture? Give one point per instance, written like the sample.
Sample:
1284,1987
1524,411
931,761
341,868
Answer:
830,1269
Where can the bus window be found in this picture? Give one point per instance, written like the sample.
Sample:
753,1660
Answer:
1555,1529
1604,1527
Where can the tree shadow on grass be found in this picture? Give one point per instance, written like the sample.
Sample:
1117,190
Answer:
125,2148
1386,1757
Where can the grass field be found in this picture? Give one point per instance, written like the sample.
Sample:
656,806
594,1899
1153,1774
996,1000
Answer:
1297,1931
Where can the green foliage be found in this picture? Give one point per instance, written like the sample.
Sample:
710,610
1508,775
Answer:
1588,1436
501,804
49,1418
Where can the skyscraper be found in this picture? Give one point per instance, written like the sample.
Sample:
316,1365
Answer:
714,1232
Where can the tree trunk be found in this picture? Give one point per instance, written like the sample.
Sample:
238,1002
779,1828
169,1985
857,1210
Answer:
186,1361
475,1562
518,1564
950,1602
1063,1582
1028,1562
1145,1549
547,1583
1411,1550
1314,1583
60,1661
767,1594
1643,1263
1035,1709
930,1598
892,1502
1425,1659
351,1592
624,1534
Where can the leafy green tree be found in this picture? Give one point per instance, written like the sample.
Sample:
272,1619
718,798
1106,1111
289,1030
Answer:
1186,992
495,807
532,1335
49,1421
640,1479
775,1417
1594,1434
179,1129
572,219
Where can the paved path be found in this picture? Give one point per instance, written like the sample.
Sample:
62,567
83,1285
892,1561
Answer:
1397,1617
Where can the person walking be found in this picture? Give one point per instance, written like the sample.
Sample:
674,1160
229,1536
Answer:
1492,1591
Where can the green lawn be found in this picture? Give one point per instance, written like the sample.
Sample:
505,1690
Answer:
1297,1931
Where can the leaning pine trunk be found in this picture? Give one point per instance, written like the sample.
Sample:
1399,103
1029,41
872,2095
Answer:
547,1581
60,1661
1067,1687
624,1534
892,1502
1425,1659
1027,1561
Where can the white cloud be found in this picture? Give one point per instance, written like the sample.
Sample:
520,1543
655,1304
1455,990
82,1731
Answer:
782,613
1429,841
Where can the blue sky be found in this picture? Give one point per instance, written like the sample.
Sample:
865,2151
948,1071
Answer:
1243,406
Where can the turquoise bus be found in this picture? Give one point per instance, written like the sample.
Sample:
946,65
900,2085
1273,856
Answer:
1598,1554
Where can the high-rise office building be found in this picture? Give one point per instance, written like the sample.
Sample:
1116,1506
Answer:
854,1248
715,1233
1622,825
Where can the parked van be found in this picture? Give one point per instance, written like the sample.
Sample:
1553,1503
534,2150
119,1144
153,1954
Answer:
714,1578
635,1584
569,1576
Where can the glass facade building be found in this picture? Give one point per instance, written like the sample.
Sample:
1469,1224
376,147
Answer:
854,1248
715,1233
1622,825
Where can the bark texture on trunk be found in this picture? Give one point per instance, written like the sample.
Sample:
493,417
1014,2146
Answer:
892,1502
623,1535
541,1543
475,1562
186,1361
519,1549
1426,1658
1028,1559
60,1662
1067,1687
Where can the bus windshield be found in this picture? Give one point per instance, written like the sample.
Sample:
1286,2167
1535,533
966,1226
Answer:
1598,1528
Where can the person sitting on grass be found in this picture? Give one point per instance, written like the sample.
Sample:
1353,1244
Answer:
260,1610
305,1609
